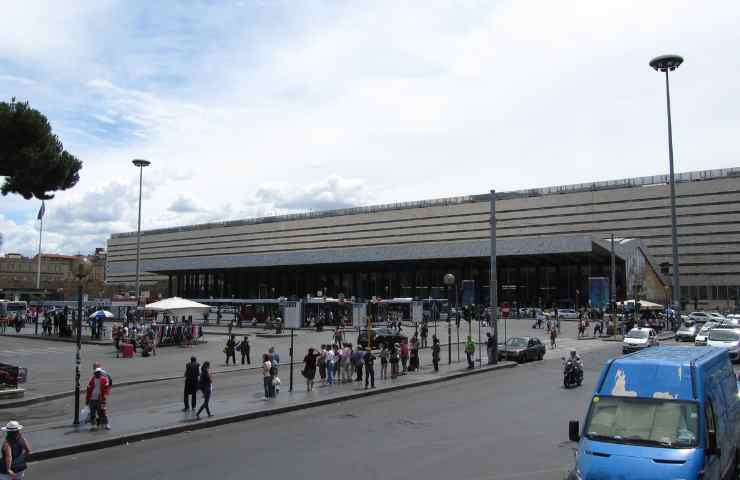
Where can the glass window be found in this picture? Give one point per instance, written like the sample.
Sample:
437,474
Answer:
703,292
721,292
641,421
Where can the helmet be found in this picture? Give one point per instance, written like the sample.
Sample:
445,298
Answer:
572,352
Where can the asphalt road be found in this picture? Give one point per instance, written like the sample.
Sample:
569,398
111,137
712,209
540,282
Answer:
509,424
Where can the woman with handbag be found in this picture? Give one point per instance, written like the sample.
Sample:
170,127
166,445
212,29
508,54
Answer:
309,368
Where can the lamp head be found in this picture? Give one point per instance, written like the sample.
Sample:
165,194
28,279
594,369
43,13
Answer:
140,162
665,63
449,279
81,268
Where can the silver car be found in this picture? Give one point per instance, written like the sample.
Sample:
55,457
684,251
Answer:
727,338
687,332
701,337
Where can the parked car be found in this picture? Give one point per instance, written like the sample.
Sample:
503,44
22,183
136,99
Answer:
700,339
727,338
639,338
381,336
567,314
716,316
687,331
521,349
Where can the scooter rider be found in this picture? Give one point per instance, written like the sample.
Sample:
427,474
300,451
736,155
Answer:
575,358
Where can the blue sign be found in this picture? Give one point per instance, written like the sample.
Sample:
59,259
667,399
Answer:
468,293
598,288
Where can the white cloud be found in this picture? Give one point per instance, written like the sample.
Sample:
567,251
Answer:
183,205
270,107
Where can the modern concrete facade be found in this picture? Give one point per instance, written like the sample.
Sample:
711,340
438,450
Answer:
298,254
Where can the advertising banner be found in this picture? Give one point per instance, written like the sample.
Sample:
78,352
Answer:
417,312
468,292
292,314
598,289
359,315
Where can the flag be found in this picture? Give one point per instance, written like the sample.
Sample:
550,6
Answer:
41,210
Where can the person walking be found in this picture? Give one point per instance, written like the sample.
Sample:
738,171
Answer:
192,370
275,359
553,336
15,451
244,349
96,397
369,360
230,349
414,362
266,377
490,346
337,363
309,368
347,363
206,386
436,350
470,351
404,356
384,356
424,334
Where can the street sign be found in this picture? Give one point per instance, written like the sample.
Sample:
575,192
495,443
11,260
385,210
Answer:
417,312
468,292
292,314
359,315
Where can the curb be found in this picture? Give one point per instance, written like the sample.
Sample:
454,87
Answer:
166,431
58,339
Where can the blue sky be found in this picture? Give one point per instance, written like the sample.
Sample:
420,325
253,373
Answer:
249,108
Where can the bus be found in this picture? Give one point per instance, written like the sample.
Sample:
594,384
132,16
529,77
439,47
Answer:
9,308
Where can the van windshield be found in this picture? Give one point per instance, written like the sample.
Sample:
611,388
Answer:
643,421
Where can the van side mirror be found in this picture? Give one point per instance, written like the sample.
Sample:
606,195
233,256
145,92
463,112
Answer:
574,431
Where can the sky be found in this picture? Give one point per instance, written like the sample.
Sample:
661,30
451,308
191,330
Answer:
253,108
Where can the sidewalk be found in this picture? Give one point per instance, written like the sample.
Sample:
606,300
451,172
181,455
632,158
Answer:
238,403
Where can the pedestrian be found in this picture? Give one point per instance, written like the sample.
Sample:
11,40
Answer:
394,359
369,361
358,358
424,334
338,337
275,359
244,349
15,451
490,347
309,368
96,397
337,363
192,369
470,351
321,364
581,328
436,350
384,356
230,349
347,363
329,362
266,377
206,386
553,336
404,356
414,362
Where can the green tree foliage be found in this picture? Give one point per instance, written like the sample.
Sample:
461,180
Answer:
32,159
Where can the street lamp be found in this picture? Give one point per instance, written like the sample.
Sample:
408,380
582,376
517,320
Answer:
81,269
140,163
449,280
668,63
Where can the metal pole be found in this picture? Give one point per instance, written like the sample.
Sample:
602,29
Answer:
493,281
449,340
77,357
480,353
457,322
138,244
613,289
291,360
38,271
674,226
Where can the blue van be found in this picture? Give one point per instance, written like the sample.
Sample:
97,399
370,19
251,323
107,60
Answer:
661,413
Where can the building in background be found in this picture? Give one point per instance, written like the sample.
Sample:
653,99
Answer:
551,241
18,276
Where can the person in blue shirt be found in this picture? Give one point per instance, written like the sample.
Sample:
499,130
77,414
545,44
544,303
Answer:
275,358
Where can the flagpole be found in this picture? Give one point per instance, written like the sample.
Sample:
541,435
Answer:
41,229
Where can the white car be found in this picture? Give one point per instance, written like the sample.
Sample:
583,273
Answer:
639,338
567,313
701,337
700,317
687,331
727,338
717,317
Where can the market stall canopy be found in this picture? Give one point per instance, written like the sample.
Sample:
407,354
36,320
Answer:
101,314
177,306
644,305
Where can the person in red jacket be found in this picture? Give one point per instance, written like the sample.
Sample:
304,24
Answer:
97,395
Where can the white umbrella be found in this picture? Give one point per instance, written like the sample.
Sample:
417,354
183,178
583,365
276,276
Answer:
177,306
101,314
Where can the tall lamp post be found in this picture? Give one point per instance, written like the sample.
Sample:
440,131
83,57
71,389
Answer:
140,163
82,269
449,280
668,63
